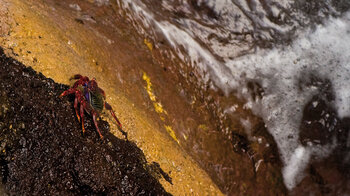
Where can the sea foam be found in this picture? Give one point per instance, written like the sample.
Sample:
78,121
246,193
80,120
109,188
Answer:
323,51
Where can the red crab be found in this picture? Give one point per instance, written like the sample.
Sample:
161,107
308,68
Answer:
91,99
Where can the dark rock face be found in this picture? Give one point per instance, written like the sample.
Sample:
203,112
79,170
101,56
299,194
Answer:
322,126
42,149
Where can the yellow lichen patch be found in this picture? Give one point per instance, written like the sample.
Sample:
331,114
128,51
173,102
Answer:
159,108
148,44
171,133
157,105
203,127
149,86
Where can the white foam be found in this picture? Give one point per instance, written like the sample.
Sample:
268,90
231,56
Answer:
297,165
324,52
293,173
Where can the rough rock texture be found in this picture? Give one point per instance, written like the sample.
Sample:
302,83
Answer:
43,151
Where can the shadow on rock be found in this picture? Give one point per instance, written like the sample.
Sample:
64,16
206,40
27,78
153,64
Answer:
42,150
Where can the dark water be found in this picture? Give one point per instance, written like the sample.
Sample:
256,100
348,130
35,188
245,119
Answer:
287,60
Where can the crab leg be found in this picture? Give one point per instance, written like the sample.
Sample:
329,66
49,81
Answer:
96,125
109,107
76,107
69,91
82,105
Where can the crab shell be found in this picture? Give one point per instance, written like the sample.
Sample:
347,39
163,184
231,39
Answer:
94,97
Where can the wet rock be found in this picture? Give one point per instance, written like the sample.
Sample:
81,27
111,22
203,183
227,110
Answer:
43,151
321,126
319,123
